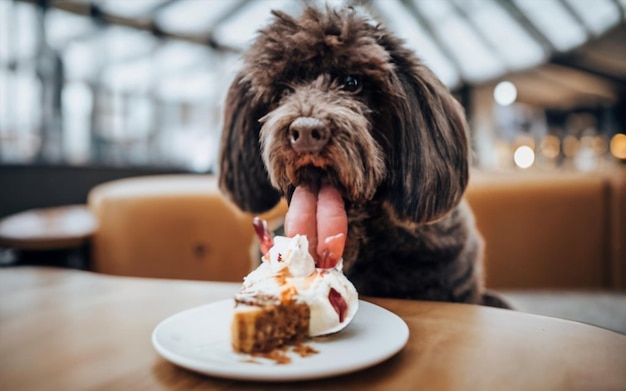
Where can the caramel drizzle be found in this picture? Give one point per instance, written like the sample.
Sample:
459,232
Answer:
280,355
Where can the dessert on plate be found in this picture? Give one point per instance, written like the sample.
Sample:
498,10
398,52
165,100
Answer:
288,299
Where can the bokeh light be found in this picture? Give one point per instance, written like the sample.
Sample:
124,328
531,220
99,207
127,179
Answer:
524,156
505,93
550,146
618,146
571,146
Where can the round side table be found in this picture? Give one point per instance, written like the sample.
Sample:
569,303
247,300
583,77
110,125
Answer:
58,235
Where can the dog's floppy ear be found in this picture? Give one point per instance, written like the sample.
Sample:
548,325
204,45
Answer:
429,155
242,174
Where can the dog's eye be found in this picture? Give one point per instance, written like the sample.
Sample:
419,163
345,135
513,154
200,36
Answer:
352,83
285,90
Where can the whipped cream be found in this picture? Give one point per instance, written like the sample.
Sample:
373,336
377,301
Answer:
288,273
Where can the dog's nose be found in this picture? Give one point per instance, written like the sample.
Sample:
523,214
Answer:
308,134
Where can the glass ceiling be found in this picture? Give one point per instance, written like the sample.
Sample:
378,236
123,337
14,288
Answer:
187,51
455,37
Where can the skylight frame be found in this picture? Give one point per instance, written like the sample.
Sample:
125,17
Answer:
476,60
598,15
507,37
136,9
419,41
242,28
192,16
552,19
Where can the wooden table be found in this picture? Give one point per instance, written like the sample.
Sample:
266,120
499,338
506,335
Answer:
56,236
73,330
50,228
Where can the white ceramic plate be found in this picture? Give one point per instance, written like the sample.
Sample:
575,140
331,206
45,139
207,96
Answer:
199,339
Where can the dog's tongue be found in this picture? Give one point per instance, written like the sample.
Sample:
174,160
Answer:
321,216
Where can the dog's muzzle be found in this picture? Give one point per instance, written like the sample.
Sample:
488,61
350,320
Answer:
308,135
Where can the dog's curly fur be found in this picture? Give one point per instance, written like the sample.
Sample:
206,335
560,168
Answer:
398,149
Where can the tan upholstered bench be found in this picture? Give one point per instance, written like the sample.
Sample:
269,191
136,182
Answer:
176,226
553,230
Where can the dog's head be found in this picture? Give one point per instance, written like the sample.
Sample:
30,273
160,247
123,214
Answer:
331,95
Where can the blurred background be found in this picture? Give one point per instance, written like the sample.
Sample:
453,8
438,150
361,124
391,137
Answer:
118,83
94,91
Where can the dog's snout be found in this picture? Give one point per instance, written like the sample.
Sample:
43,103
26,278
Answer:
308,134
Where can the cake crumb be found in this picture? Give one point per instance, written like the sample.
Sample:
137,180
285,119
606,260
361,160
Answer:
305,350
277,355
281,355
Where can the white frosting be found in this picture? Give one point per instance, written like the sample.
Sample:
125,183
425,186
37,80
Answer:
289,257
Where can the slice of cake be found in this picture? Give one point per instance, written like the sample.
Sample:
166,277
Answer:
286,299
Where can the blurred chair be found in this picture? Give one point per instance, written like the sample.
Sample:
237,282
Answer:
551,230
175,226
